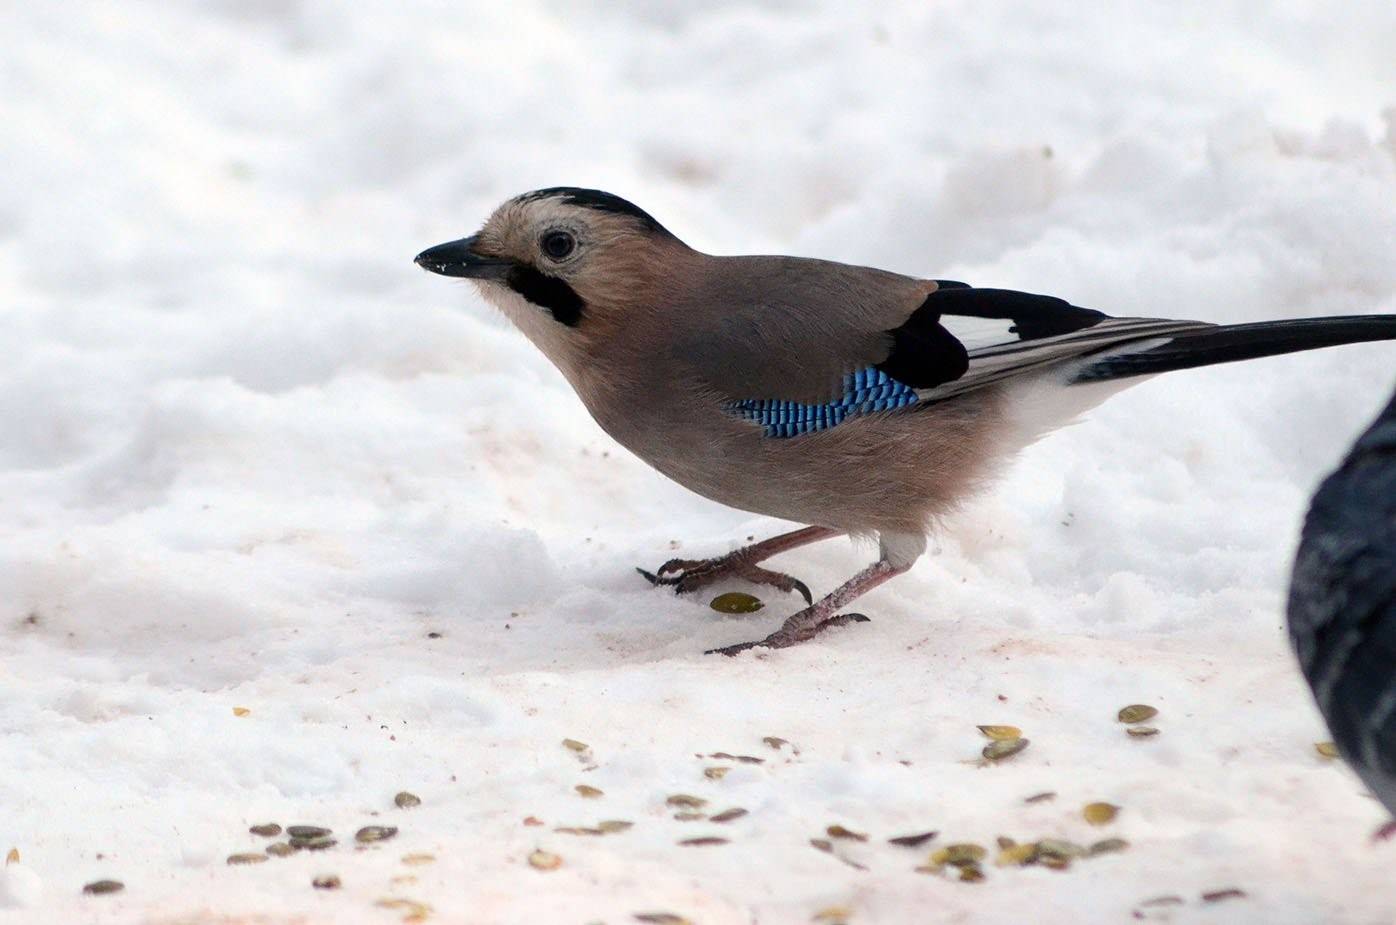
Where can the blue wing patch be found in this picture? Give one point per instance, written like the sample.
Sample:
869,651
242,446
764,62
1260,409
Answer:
866,391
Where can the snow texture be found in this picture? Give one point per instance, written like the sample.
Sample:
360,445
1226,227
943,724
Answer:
251,457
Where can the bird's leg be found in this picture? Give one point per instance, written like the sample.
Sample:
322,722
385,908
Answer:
816,618
685,575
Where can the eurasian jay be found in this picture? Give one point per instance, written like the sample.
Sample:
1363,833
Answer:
851,399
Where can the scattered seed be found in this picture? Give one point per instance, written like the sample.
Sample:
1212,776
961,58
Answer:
774,742
1216,896
544,860
1100,813
532,820
417,860
689,817
727,815
1053,861
744,759
736,602
703,841
611,826
833,914
661,918
1003,841
971,873
687,801
1137,713
1326,749
266,830
319,843
1162,901
838,831
12,857
241,711
1059,848
715,773
588,791
98,887
577,830
306,831
912,841
281,849
1016,855
958,855
326,882
1042,797
574,745
249,858
822,844
1000,749
416,912
1001,732
373,833
1107,846
1142,732
405,800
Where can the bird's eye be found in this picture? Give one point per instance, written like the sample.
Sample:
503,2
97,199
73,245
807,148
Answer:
558,244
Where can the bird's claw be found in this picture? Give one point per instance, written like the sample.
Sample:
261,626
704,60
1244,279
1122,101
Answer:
783,638
688,575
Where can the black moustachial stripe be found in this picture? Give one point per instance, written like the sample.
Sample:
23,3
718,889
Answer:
547,291
600,201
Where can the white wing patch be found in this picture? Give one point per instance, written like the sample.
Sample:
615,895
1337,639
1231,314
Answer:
996,352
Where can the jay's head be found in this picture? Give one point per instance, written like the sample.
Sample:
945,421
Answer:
563,260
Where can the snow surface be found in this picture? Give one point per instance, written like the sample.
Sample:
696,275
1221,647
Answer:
250,456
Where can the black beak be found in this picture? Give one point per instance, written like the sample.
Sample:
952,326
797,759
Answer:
458,258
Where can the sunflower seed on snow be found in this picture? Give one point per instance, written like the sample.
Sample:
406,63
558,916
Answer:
1326,749
1000,749
1137,713
268,830
589,792
614,825
703,841
689,817
687,801
326,882
544,860
281,849
736,602
1142,732
1001,732
1100,813
912,841
314,844
1041,797
405,800
372,833
248,858
838,831
98,887
775,742
971,873
660,918
575,746
958,855
1059,848
715,773
727,815
1106,846
306,831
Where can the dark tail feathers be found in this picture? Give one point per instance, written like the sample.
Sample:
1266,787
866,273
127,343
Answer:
1233,342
